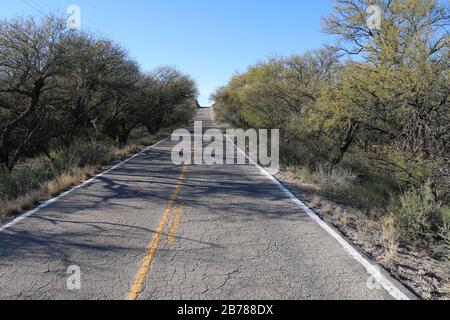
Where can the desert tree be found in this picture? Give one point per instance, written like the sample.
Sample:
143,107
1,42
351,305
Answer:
33,54
394,93
164,88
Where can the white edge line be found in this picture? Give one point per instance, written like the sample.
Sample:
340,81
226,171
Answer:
371,269
62,195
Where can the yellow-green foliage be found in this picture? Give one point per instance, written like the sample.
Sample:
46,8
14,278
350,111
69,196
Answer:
420,219
385,114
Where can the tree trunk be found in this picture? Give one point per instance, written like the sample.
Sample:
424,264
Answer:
6,134
350,135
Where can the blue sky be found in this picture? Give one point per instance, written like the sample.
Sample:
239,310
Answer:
209,39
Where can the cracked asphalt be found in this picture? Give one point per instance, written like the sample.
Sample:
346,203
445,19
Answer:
237,236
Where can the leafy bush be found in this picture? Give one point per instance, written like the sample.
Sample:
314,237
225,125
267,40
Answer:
32,174
344,186
420,219
446,215
93,153
81,154
336,178
25,177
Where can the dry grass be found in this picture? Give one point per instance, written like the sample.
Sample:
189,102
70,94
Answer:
54,187
327,207
375,231
315,201
388,228
22,203
390,251
363,234
389,238
341,216
66,181
125,152
45,191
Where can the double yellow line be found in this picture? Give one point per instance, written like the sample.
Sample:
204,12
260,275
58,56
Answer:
138,284
174,224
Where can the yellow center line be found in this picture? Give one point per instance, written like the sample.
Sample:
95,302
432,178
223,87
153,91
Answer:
138,284
174,224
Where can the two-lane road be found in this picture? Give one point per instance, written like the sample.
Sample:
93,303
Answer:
152,230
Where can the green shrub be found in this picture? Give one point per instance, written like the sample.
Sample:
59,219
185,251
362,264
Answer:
335,178
65,160
446,215
364,195
81,154
30,175
93,153
346,187
420,219
446,218
25,177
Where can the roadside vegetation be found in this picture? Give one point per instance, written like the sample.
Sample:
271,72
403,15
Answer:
365,123
71,102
